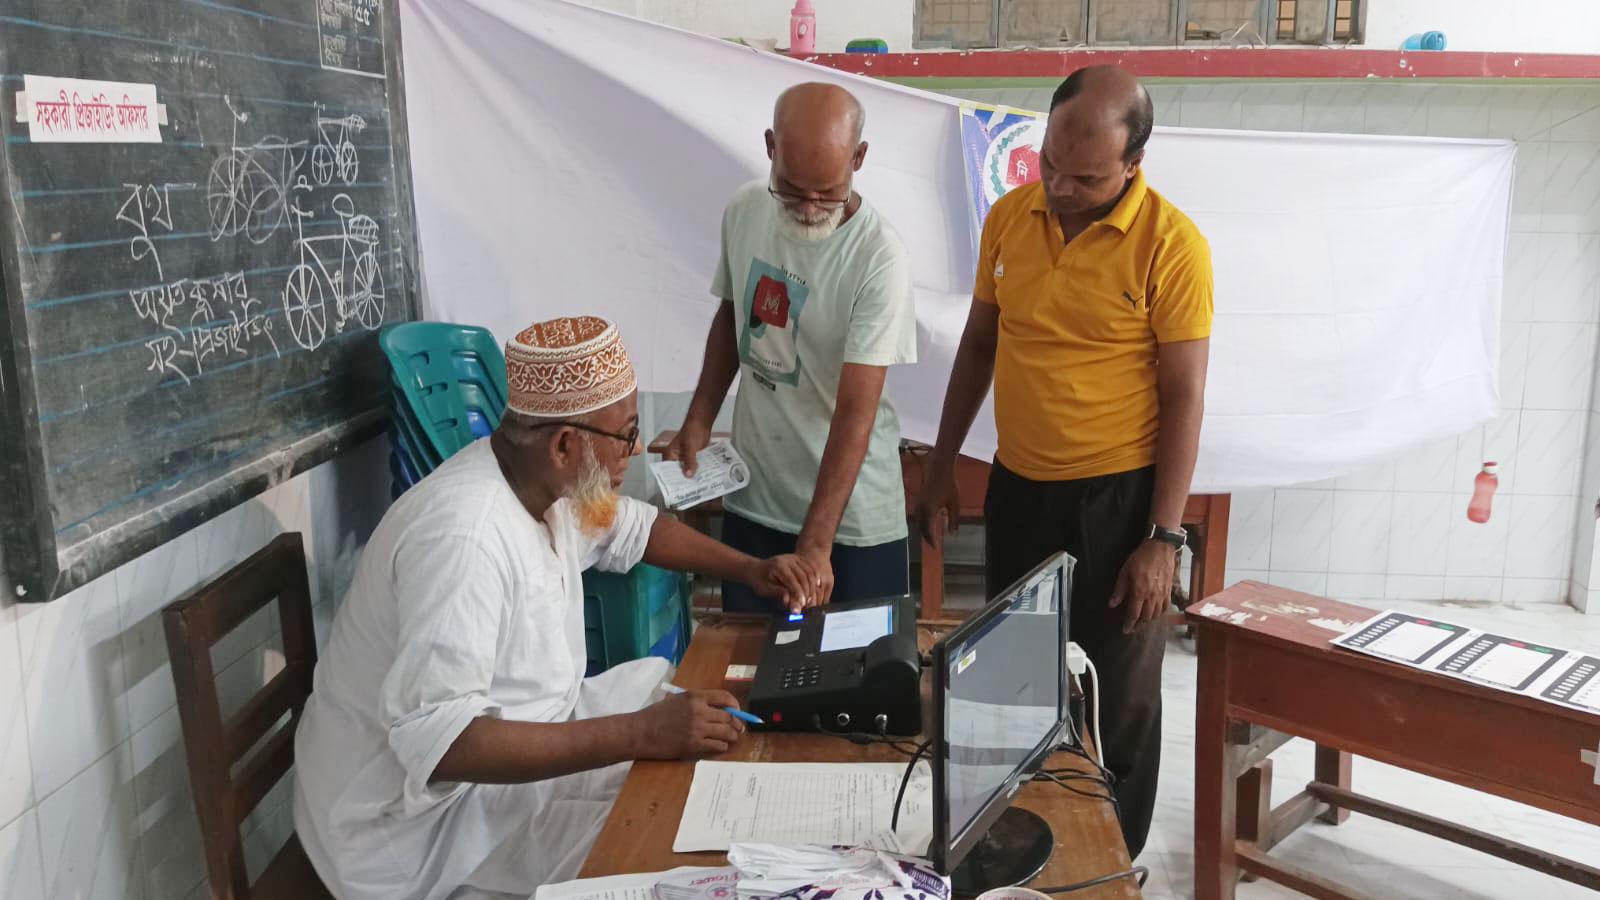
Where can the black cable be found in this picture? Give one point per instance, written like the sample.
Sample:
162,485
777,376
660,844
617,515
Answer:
1076,748
1062,778
1139,873
911,764
1093,795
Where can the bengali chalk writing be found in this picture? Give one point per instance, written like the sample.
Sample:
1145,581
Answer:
199,319
341,25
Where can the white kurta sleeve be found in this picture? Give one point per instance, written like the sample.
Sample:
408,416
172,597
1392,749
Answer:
622,547
451,594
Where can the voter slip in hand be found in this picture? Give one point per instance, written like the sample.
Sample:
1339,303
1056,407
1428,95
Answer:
722,471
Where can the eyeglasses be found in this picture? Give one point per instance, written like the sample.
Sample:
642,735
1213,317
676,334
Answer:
827,204
629,437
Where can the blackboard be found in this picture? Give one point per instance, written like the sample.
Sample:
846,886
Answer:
188,322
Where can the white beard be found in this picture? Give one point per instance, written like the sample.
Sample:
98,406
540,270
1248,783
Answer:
592,495
796,229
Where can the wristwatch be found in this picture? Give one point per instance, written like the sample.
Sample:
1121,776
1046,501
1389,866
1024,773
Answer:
1177,538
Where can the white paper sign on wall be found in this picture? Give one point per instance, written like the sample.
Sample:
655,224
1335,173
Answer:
79,111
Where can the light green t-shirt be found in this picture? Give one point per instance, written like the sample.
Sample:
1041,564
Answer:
801,311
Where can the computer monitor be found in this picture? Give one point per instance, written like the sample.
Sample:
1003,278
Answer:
1000,706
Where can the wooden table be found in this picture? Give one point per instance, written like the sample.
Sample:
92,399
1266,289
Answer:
638,834
1268,672
1205,517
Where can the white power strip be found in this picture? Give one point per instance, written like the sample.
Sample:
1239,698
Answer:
1077,660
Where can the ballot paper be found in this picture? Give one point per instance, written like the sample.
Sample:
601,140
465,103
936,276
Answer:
848,804
1500,661
640,886
1576,683
1402,637
722,471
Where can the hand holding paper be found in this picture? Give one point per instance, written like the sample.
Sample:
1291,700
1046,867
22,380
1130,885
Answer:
718,470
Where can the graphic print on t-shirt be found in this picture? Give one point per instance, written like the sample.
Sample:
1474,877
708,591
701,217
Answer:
773,301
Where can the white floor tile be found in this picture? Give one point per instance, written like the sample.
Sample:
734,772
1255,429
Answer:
86,831
73,677
16,768
20,872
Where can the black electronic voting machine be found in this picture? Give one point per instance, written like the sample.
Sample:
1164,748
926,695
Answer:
844,668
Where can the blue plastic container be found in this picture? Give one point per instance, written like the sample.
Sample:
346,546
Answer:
1427,40
644,612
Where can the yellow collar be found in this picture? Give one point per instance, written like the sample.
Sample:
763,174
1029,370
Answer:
1122,215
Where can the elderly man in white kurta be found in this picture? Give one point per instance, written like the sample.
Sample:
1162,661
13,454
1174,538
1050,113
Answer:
451,747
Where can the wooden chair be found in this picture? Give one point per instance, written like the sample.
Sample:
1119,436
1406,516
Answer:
223,799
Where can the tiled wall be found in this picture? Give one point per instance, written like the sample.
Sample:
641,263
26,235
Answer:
1399,529
94,783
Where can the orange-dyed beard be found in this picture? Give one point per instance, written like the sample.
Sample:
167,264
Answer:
592,496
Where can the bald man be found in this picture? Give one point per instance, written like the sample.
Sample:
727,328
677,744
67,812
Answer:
816,306
1091,316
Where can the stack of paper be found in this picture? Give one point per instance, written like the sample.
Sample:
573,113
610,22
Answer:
641,886
814,873
698,884
793,804
767,869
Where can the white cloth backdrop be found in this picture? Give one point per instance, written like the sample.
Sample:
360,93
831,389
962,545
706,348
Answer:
568,160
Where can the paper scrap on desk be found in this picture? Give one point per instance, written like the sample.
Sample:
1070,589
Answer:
637,886
806,803
722,471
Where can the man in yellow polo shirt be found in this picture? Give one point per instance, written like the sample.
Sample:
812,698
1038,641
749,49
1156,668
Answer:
1091,317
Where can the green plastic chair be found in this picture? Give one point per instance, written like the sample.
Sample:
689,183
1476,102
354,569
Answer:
449,383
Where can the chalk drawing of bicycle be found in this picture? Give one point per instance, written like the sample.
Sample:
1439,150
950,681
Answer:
335,155
247,191
343,265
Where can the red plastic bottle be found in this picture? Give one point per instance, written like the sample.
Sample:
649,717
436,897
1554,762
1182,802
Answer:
1483,492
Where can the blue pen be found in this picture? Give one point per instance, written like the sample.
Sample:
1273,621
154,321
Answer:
739,714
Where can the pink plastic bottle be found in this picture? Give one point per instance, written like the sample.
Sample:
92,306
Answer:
802,29
1483,492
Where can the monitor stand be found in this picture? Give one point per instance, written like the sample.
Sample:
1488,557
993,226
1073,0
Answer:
1015,850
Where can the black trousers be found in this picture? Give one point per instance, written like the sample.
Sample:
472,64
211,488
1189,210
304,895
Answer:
859,573
1099,521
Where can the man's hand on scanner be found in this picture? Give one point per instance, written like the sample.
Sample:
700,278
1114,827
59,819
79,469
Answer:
788,578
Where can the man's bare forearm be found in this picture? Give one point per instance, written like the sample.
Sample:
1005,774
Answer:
849,435
717,371
970,379
674,545
1182,388
499,751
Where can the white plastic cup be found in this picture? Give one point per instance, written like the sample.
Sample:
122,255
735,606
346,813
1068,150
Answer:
1013,893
